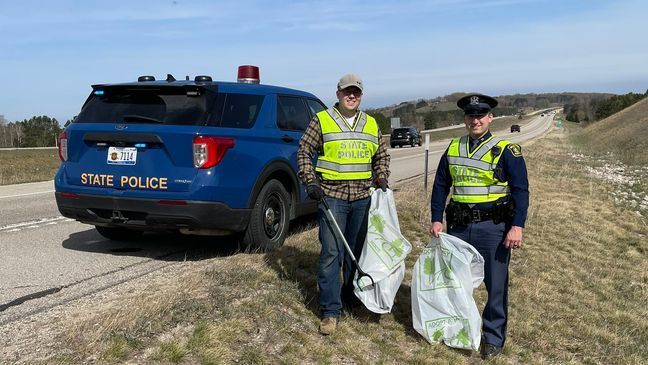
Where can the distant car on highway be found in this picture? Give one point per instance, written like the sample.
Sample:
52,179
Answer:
406,135
515,128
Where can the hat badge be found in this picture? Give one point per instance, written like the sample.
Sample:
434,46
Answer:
474,100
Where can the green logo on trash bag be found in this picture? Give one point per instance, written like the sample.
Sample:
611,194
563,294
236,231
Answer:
377,222
437,269
454,331
386,242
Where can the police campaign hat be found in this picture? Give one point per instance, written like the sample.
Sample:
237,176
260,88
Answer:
350,80
475,104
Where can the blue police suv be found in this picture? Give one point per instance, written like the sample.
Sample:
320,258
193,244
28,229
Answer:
192,156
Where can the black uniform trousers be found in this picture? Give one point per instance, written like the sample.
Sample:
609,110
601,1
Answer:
488,237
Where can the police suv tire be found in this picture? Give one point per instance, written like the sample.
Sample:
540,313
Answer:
119,234
269,219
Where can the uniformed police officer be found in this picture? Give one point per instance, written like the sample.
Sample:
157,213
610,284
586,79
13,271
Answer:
488,208
351,157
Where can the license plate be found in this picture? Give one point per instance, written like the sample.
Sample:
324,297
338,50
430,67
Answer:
121,155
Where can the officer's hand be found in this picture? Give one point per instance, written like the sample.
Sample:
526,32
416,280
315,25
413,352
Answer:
315,191
513,238
381,183
437,227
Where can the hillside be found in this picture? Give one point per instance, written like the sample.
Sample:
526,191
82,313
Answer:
519,101
442,111
623,133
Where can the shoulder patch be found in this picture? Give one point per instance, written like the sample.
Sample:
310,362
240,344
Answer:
515,148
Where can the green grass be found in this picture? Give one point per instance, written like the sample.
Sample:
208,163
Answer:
23,166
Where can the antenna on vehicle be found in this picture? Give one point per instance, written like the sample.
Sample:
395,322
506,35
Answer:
187,77
170,78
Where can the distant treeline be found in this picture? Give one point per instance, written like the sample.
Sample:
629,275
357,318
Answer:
39,131
600,109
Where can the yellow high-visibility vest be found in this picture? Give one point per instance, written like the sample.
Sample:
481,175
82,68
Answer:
348,149
473,179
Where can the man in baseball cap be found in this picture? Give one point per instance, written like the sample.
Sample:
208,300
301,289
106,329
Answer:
351,158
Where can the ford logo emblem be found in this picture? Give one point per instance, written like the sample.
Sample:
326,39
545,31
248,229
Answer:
121,126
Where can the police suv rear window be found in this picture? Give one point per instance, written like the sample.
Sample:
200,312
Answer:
401,130
162,105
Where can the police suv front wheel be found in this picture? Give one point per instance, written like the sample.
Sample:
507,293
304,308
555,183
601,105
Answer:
269,219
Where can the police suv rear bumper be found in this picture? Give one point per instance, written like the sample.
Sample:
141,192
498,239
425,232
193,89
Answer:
151,214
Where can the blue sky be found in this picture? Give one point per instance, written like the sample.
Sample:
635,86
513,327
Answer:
52,51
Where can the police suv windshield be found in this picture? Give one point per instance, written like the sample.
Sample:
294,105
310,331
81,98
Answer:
155,105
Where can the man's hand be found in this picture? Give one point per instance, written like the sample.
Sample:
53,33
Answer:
513,238
437,227
315,191
381,183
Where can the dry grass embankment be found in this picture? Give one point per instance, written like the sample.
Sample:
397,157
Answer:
624,134
578,293
23,166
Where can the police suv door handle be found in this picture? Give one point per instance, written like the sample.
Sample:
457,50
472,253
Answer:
286,138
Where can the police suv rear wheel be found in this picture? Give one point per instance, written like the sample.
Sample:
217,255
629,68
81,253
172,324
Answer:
119,234
269,219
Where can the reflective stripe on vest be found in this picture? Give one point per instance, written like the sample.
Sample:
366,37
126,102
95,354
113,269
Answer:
480,190
472,174
348,149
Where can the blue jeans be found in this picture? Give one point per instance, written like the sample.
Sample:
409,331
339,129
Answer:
488,238
352,217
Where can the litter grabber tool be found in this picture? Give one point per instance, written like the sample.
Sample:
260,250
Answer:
361,273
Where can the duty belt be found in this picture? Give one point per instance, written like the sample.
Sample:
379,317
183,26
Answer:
462,214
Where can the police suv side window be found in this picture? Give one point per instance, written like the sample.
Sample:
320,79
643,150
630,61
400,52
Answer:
237,110
291,113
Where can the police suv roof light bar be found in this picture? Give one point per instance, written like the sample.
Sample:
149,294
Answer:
248,74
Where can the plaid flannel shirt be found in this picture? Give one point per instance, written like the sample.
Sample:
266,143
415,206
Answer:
349,190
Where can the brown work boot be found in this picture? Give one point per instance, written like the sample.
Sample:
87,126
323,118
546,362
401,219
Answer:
328,325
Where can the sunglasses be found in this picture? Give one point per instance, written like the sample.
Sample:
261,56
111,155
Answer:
351,90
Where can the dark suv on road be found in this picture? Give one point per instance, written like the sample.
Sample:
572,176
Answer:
515,128
192,156
402,136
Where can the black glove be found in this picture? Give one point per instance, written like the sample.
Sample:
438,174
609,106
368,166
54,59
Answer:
315,191
381,183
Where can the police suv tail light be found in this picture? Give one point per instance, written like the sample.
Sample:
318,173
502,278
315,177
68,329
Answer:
62,146
209,151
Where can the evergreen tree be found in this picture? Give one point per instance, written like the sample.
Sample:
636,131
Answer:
40,131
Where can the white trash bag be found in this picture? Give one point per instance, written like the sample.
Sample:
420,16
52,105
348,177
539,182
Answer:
383,255
443,280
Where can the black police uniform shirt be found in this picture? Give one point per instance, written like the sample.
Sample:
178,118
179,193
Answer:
513,170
